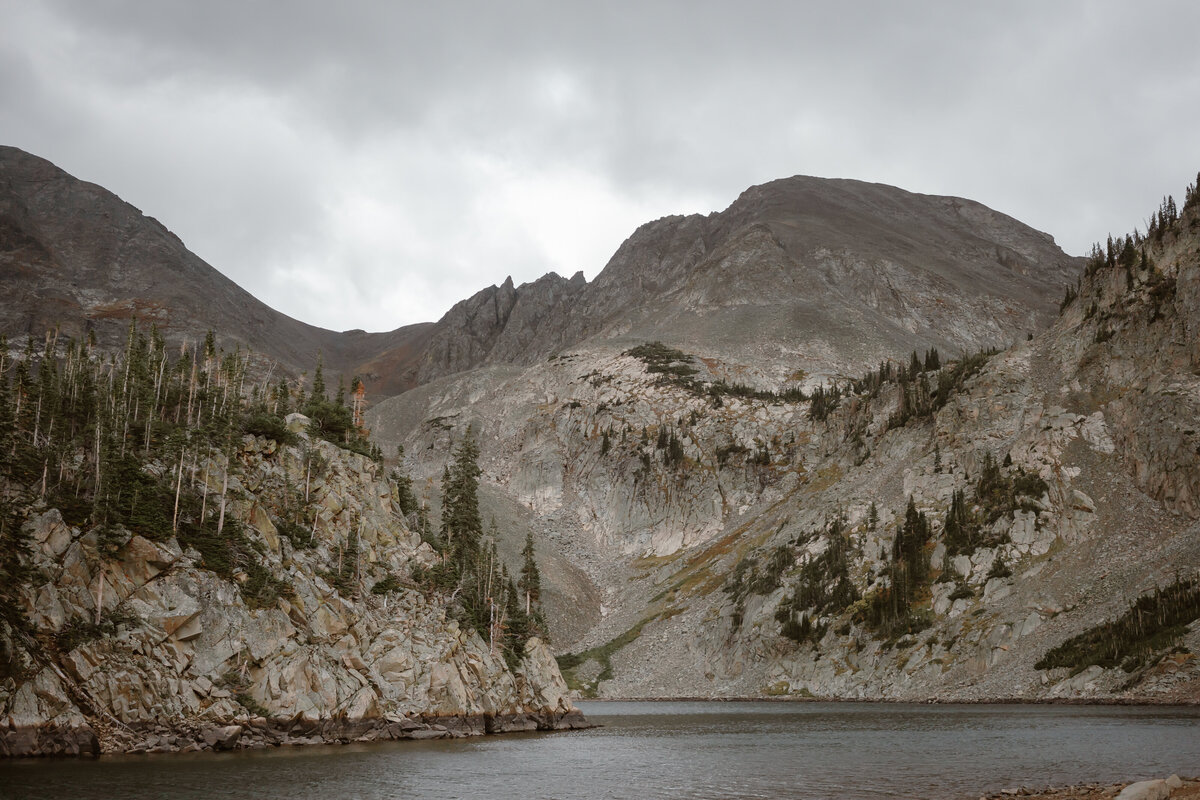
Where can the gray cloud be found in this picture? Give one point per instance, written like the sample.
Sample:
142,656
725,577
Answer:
370,165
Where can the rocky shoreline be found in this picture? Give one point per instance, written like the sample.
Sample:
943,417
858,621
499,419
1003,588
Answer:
259,732
1174,788
140,647
997,701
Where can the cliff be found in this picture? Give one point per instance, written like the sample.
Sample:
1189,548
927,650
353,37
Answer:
137,645
936,528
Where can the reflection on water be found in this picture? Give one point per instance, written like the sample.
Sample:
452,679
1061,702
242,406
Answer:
680,750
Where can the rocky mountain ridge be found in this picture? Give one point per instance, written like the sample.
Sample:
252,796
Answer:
77,259
799,273
697,511
807,273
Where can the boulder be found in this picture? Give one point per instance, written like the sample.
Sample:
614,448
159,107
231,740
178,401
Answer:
1146,790
224,737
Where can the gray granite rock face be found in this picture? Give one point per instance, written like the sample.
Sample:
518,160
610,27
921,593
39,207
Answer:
1101,406
191,660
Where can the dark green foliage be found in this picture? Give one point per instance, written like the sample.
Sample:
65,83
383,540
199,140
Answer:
81,631
1153,623
111,538
601,654
124,445
330,421
824,402
962,592
389,583
910,564
1160,290
675,367
103,438
318,392
14,566
919,400
141,502
1000,493
892,610
992,490
999,569
262,589
259,421
462,527
729,451
779,561
231,552
1192,196
662,360
299,535
932,360
487,600
719,389
530,582
997,493
822,588
405,499
333,420
345,577
1028,484
873,381
247,701
747,578
673,457
962,532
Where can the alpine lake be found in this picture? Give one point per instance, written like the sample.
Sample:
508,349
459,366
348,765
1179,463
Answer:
680,750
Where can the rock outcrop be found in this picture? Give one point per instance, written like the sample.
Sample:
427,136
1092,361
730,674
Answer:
695,508
136,645
797,274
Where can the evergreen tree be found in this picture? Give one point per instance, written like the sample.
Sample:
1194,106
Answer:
460,501
282,399
405,499
318,392
530,582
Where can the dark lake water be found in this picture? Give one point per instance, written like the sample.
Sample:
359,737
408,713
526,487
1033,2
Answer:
680,750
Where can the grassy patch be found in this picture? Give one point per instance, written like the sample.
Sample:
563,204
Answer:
603,654
675,367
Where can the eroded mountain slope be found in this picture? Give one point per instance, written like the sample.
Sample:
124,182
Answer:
732,535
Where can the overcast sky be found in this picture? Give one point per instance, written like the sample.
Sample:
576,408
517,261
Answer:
366,165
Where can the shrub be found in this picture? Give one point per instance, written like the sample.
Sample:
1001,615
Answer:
1153,622
260,422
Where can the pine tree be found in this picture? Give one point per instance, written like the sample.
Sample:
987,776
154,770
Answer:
460,502
317,394
530,582
281,400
